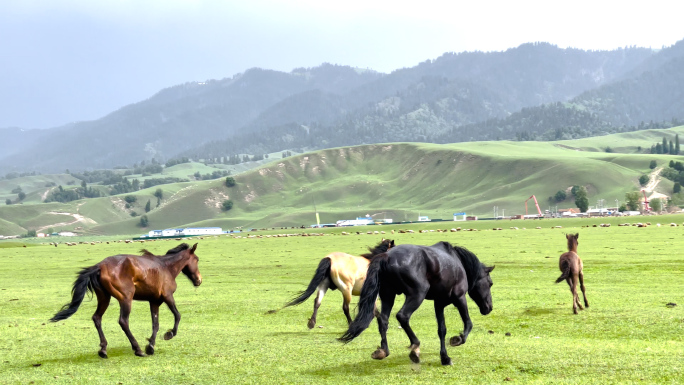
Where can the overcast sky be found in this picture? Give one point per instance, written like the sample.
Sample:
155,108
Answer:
71,60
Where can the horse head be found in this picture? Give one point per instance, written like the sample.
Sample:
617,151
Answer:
386,244
480,292
573,241
191,270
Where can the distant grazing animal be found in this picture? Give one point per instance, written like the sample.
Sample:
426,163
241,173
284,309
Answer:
571,267
134,277
442,272
339,271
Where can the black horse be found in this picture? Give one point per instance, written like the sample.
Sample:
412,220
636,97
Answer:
441,272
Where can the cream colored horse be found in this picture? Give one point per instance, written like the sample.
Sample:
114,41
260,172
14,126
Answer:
339,271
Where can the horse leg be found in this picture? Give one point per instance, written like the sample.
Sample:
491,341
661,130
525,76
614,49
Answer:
575,284
376,312
125,312
171,303
322,288
346,300
572,291
441,331
386,303
462,305
102,304
154,310
411,304
581,280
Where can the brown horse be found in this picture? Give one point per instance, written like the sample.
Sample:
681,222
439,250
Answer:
340,271
133,277
571,267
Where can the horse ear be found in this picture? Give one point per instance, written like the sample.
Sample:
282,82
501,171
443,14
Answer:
567,236
392,243
192,250
577,236
489,269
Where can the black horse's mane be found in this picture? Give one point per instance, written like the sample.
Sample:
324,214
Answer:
470,262
380,248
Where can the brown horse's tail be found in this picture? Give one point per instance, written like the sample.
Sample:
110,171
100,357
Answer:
322,273
88,280
369,292
566,271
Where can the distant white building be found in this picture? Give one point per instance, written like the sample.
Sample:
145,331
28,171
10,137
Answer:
360,221
185,232
202,230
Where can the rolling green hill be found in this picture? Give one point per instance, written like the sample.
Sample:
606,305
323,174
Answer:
395,180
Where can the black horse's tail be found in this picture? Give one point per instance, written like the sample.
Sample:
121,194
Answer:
565,268
88,280
369,293
322,273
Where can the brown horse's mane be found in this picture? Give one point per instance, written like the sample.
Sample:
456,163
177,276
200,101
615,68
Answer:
175,250
380,248
178,249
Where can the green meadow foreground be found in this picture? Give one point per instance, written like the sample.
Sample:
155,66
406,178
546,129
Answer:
226,335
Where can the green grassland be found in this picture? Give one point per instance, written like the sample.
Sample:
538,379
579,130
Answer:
398,181
628,335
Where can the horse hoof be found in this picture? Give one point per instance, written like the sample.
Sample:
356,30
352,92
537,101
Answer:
456,341
311,324
139,353
379,354
447,362
168,335
102,354
149,350
415,356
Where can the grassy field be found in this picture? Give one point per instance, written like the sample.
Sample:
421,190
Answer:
628,335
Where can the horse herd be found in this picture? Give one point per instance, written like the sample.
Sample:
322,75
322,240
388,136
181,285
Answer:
443,273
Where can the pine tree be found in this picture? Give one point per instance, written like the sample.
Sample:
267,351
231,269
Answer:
677,144
664,146
671,150
148,206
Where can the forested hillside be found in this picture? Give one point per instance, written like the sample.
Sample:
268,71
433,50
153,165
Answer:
452,98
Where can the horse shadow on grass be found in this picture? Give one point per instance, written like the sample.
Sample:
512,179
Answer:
83,358
304,333
538,311
370,367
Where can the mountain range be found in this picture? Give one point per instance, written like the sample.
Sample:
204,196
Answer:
535,91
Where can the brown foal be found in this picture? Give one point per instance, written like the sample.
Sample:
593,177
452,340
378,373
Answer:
571,267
